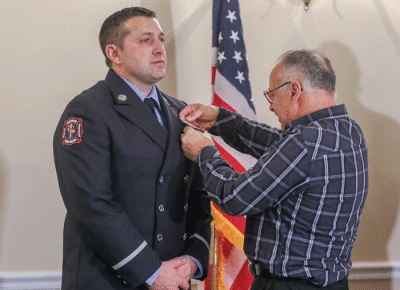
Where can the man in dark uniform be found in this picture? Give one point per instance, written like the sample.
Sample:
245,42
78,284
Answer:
137,216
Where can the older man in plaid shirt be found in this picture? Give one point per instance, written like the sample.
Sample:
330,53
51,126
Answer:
304,197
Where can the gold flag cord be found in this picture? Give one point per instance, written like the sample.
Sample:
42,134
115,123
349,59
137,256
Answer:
221,224
221,227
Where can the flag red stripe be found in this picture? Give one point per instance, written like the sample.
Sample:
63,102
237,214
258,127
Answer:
213,73
227,248
228,158
217,101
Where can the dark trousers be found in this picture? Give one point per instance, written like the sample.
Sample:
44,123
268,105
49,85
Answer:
273,283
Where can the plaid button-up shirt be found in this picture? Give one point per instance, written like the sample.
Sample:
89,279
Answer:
303,198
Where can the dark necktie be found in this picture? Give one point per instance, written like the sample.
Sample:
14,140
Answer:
151,103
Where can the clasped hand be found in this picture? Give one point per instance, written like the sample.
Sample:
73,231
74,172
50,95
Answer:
175,274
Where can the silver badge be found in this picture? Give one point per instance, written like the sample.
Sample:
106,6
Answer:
122,98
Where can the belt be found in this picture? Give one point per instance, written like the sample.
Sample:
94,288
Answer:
259,270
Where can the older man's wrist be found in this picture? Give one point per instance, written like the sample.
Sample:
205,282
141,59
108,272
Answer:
205,149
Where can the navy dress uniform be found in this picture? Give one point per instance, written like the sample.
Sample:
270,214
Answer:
132,198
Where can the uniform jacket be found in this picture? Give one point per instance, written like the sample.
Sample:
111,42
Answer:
131,196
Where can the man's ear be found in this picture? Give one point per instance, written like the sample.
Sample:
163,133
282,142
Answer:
296,91
112,52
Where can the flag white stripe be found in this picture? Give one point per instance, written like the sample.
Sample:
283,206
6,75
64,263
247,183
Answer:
233,265
245,160
230,95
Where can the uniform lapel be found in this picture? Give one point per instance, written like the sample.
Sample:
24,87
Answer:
129,105
171,115
175,127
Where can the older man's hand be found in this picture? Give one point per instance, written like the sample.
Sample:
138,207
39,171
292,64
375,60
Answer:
193,142
200,115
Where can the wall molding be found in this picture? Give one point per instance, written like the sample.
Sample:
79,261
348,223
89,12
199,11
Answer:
30,280
52,280
375,271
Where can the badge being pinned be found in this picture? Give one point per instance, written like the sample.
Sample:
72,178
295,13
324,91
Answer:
72,131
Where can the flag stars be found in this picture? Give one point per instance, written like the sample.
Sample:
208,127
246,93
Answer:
231,15
234,36
221,56
237,56
240,77
220,38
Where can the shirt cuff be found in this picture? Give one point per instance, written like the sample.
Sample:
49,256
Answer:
200,269
153,277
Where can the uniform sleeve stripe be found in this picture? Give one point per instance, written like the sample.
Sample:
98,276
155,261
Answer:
201,239
130,257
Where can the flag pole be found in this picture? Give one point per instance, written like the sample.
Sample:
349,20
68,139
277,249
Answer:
213,260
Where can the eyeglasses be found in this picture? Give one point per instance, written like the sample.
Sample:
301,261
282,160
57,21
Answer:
267,94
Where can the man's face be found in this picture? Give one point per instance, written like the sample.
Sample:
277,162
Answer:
143,58
282,104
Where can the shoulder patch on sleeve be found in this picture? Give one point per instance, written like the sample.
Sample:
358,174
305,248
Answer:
72,131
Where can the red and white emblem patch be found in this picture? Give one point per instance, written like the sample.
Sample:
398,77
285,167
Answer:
72,131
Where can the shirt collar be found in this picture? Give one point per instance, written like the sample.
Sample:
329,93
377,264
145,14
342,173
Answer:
331,112
153,93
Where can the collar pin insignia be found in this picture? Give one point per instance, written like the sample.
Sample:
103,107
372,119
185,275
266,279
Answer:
122,98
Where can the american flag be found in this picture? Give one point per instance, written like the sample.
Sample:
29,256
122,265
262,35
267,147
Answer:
232,91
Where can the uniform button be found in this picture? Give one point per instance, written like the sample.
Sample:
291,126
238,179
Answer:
185,208
184,237
160,237
161,208
161,179
186,179
122,98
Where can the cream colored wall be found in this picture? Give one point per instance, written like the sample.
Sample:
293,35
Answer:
50,53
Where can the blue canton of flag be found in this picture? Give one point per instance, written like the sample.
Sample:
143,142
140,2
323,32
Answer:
228,39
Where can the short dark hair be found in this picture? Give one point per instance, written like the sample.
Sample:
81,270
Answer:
315,67
112,31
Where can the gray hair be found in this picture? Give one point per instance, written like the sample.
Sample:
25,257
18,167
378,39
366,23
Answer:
315,68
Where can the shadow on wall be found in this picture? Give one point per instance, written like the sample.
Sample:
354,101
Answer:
388,24
383,136
164,16
2,194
